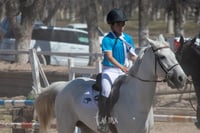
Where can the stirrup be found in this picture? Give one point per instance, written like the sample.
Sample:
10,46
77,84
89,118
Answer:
102,124
103,128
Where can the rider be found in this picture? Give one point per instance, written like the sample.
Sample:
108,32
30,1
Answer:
117,46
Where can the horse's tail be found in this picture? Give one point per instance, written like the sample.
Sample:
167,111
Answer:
44,107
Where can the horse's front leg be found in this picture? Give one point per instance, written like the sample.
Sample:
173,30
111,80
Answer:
196,84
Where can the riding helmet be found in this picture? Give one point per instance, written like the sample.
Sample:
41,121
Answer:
116,15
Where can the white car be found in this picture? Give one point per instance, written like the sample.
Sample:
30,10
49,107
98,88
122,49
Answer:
83,26
54,39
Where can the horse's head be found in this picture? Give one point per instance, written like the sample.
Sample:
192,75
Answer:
187,55
166,65
184,47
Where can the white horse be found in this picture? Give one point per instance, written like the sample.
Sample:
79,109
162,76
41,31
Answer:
73,102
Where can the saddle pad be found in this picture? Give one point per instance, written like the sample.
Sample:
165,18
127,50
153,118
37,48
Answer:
90,98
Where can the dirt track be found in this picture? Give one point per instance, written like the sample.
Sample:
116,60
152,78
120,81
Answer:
161,127
164,127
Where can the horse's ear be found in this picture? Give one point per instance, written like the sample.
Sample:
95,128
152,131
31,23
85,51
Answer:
181,41
154,44
193,41
161,38
151,42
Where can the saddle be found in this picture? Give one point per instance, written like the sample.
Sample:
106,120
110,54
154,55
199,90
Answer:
97,85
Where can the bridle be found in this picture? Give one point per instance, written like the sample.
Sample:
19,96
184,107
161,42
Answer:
157,60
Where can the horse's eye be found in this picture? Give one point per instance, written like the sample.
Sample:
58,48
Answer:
162,57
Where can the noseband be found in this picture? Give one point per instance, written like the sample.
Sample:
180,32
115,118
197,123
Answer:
157,59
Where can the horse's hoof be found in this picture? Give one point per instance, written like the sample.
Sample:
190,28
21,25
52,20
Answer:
197,124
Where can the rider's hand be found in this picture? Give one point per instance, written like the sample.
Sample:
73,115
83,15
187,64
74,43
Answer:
124,69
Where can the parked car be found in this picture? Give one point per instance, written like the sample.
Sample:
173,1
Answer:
54,39
83,26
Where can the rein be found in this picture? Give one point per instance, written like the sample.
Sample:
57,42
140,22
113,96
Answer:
190,87
189,82
166,70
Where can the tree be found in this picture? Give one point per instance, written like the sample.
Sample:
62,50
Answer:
92,22
143,21
178,17
175,10
169,19
2,9
22,30
29,11
49,11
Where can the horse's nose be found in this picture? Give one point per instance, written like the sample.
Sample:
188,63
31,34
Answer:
182,78
176,78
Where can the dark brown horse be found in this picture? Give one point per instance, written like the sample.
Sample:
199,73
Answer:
188,55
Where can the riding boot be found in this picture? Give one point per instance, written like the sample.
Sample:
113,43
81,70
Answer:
102,125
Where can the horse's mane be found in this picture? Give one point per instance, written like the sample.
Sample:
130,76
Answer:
159,42
138,61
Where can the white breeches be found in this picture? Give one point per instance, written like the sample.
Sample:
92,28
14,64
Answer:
109,74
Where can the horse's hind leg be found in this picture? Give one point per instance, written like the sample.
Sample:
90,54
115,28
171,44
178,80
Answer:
65,126
65,119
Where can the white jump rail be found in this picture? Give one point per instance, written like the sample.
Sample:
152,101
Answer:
16,103
174,118
37,71
82,70
23,125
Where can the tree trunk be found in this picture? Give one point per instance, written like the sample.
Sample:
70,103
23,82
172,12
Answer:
23,43
143,21
92,22
23,37
51,14
170,22
178,18
2,9
197,13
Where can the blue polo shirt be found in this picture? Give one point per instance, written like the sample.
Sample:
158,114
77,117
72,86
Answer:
111,43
